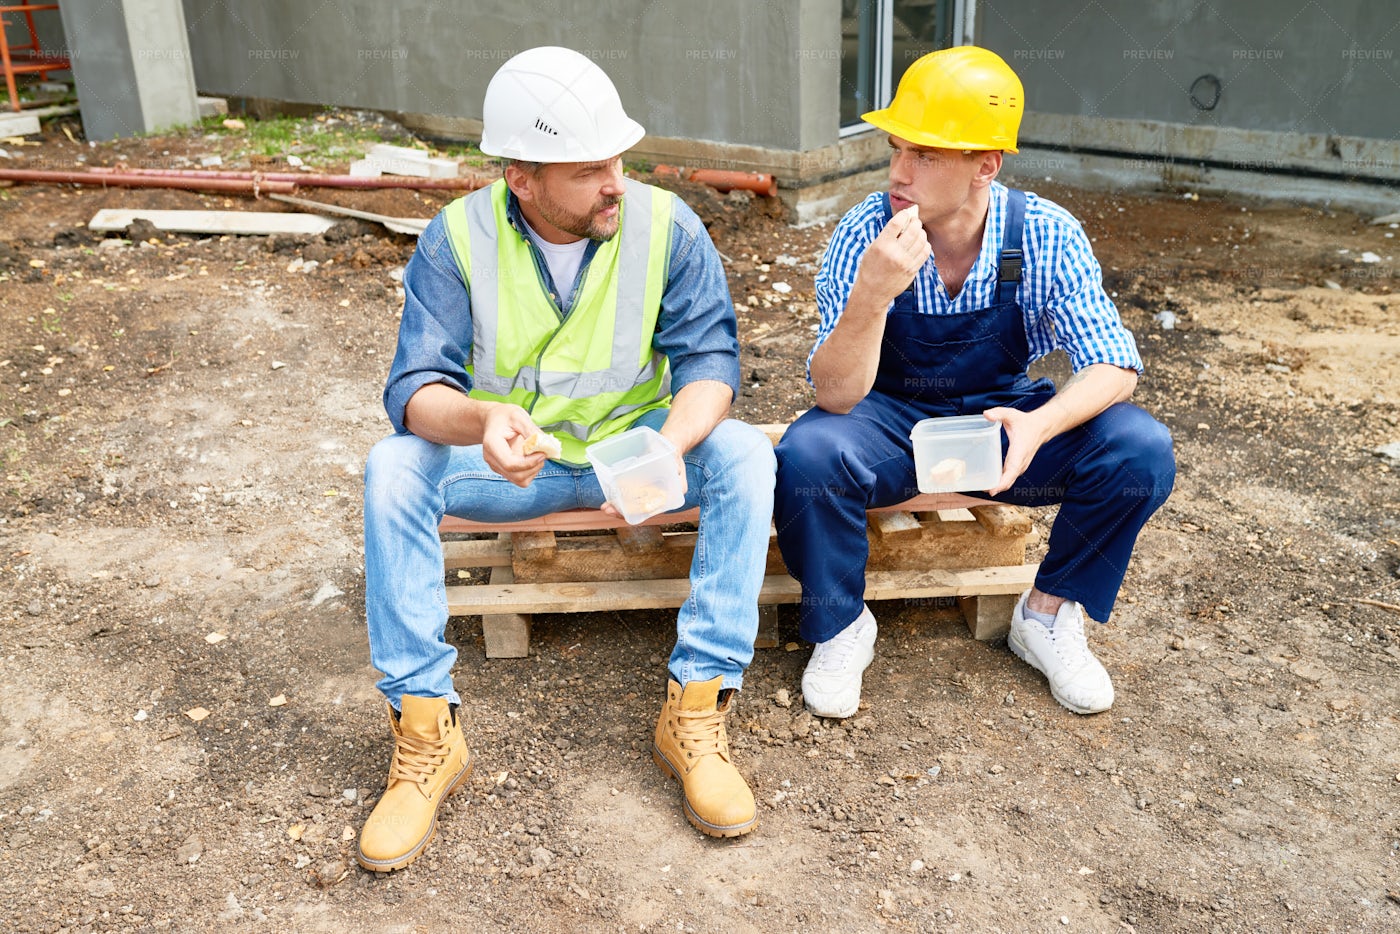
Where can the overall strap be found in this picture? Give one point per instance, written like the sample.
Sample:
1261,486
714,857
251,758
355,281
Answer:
1009,265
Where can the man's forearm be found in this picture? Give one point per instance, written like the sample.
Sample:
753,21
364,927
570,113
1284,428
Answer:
441,414
695,411
844,366
1086,394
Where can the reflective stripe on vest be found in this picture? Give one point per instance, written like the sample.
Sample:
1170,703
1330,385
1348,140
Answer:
593,373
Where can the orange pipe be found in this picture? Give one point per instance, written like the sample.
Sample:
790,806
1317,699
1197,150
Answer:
307,180
250,186
760,183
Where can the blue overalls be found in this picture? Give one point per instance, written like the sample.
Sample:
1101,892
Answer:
1108,475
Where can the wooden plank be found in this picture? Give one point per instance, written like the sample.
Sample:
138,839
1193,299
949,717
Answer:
1003,519
214,222
576,520
412,226
895,526
929,502
767,637
636,540
947,544
487,553
601,558
952,516
506,633
572,520
532,546
583,596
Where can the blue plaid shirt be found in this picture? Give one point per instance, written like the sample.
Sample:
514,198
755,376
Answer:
1061,291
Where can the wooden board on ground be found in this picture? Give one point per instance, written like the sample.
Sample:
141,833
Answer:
214,222
413,226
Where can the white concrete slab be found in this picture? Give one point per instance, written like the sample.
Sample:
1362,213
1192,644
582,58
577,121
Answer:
214,222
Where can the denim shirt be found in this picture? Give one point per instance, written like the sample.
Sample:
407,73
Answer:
696,329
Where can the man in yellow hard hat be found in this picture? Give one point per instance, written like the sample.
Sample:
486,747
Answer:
562,306
934,298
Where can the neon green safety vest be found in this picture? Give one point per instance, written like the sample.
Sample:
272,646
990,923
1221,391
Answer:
583,377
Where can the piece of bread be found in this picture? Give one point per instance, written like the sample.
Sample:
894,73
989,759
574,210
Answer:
643,498
948,471
548,445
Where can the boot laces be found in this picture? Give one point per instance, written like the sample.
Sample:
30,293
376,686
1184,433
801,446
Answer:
415,760
701,733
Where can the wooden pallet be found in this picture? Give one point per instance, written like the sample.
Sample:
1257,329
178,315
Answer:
945,545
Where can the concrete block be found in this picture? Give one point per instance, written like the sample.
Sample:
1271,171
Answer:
364,168
55,87
386,151
444,168
212,106
18,125
403,160
396,166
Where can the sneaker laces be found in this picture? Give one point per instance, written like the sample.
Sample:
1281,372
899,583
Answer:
834,653
700,733
1069,640
415,760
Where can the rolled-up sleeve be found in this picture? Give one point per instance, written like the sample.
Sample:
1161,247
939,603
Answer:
840,265
1064,294
696,329
435,334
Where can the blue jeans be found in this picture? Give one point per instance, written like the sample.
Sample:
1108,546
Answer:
411,483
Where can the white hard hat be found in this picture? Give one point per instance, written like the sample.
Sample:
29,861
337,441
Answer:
552,104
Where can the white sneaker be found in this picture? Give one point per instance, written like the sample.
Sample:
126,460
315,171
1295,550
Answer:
1077,679
831,683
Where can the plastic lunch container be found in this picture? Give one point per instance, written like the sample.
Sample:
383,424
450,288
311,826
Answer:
958,454
637,470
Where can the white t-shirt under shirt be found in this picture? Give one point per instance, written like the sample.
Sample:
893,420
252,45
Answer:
563,260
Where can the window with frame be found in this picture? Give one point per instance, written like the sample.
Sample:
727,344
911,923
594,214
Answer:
880,39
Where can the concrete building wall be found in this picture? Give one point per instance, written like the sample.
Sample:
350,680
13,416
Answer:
1280,99
1286,66
726,70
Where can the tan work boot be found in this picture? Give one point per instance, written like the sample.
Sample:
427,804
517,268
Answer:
430,762
691,744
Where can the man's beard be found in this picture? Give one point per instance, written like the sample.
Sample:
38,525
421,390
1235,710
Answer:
588,225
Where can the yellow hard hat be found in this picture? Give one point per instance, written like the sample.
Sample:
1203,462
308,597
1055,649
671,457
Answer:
959,98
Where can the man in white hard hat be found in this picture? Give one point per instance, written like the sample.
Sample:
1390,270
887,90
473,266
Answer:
559,307
934,298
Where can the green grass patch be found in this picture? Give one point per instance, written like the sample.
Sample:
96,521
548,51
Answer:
320,141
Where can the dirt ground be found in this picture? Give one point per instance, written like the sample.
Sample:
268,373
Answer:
189,731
